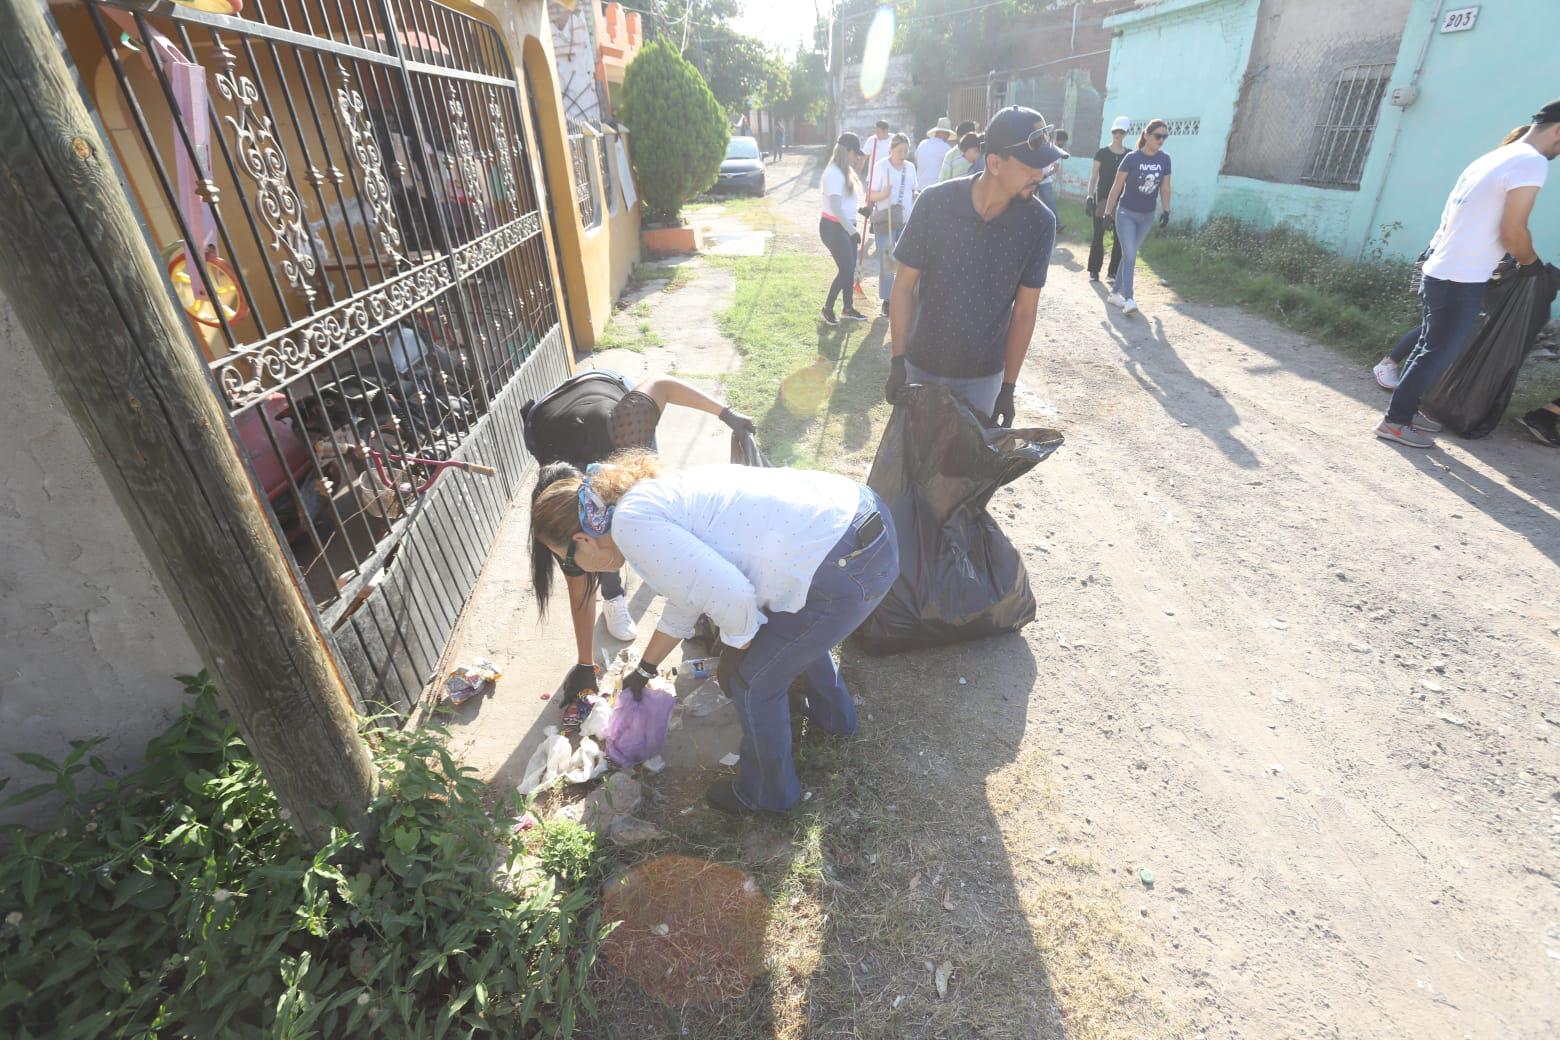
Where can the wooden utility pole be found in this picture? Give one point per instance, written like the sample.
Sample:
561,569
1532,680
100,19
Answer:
79,271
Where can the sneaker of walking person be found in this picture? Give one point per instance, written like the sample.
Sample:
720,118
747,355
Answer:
620,623
972,261
1129,307
1404,434
1543,424
1115,299
1387,374
1485,217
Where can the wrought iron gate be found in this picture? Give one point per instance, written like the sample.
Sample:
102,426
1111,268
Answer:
348,212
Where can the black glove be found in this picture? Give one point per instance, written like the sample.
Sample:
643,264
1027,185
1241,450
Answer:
581,679
1164,218
896,379
1110,220
634,681
738,422
1002,414
1088,205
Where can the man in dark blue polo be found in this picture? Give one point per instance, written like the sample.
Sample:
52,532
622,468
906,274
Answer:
972,260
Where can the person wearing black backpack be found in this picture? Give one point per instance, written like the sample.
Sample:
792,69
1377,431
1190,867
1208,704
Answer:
584,420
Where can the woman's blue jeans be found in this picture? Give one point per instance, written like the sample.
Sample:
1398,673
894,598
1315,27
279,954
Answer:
887,265
1132,228
1451,309
846,588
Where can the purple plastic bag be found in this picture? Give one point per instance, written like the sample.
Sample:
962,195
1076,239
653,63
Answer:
637,729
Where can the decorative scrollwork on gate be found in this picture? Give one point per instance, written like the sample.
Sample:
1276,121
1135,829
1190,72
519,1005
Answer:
263,159
506,160
365,149
247,375
466,157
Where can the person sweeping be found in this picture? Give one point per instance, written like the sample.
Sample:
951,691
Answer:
785,562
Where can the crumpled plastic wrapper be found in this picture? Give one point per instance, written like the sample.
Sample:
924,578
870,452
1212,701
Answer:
471,680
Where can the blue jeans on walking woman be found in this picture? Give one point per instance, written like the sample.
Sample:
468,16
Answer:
837,240
887,265
1132,228
1450,311
848,585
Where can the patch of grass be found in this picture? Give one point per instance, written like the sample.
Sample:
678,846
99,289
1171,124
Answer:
674,275
756,210
625,333
1358,308
817,392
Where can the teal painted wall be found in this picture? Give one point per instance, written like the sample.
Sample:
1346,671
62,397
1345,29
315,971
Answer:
1180,59
1475,86
1323,213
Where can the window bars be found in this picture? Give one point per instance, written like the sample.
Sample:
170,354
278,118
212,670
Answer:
580,147
1342,139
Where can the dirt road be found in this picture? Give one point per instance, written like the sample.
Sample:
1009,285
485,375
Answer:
1309,680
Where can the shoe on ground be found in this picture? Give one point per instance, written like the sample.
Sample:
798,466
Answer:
1115,299
827,317
1094,276
885,308
1129,307
619,622
1424,424
1405,435
1387,374
853,315
1543,425
722,795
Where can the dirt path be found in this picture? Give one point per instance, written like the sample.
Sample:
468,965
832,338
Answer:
1309,680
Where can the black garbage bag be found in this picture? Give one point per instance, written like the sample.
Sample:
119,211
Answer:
745,451
959,576
1473,394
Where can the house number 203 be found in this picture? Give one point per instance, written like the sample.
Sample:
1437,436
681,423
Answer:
1460,20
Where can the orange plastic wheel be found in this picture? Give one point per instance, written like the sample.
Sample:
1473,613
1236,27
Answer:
224,280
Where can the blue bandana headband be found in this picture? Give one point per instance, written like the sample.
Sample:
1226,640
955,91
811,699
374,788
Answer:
595,514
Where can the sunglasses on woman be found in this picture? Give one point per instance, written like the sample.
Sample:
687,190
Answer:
1158,136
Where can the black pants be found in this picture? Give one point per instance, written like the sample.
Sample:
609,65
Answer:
1097,250
843,248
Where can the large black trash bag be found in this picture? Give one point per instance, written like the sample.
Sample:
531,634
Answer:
1473,394
959,576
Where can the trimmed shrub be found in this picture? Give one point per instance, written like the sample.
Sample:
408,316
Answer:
178,902
678,132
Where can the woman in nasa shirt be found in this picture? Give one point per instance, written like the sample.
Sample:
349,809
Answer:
1142,178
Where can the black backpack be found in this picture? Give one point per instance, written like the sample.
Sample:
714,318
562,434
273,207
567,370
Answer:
570,424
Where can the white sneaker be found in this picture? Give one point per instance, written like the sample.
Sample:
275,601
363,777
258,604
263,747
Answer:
1387,374
619,623
1115,299
1129,307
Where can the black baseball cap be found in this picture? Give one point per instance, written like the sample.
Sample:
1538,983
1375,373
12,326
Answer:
1009,134
1550,113
850,140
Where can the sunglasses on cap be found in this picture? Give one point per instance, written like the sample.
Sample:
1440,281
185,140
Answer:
1034,140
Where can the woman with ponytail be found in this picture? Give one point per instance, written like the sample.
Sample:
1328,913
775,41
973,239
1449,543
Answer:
1142,179
837,225
785,562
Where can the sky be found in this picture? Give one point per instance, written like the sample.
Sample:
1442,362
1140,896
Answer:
780,23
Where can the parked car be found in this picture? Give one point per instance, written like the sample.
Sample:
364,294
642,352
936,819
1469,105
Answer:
743,167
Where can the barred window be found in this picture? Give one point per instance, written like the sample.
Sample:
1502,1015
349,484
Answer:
580,149
1344,134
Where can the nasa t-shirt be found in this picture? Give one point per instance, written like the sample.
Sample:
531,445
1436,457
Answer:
1144,175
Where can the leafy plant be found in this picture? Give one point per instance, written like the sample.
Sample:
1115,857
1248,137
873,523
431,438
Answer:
569,853
679,132
178,902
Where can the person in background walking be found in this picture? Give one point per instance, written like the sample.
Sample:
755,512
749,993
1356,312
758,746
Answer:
1543,423
929,153
1047,189
1142,179
837,224
779,141
786,562
1486,217
1389,370
1102,175
875,152
973,260
892,193
960,160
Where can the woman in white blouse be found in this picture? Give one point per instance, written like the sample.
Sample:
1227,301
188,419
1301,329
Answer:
893,192
786,562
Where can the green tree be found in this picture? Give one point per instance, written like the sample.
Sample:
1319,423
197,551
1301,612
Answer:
807,96
679,133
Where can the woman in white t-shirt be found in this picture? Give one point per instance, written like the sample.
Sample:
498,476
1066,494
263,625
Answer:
841,200
893,192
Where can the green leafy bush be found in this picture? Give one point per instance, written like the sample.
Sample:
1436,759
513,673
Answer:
678,133
569,853
177,902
